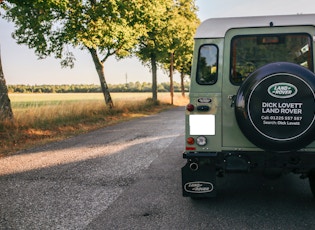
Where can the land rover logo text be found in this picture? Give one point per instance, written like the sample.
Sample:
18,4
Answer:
282,90
198,187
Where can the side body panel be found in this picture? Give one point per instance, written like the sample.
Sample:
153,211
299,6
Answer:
207,95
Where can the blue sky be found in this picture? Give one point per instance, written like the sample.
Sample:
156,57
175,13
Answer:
21,66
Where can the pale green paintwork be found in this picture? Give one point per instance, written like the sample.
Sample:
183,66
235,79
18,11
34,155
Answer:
228,136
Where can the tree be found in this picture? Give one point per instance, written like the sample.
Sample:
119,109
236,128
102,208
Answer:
150,48
180,39
105,28
170,33
5,104
183,61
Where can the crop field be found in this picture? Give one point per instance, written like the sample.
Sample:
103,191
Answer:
43,99
34,109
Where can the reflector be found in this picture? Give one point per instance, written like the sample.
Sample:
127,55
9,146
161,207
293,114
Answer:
190,148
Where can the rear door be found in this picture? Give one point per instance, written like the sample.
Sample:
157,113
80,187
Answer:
245,51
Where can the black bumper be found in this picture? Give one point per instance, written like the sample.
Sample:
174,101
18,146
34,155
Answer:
298,162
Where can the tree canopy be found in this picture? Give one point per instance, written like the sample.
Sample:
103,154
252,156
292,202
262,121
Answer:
169,39
104,27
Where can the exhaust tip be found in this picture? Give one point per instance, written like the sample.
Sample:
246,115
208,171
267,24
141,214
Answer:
194,166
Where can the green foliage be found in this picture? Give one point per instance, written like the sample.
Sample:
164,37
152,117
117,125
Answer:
180,32
151,43
171,28
184,48
49,27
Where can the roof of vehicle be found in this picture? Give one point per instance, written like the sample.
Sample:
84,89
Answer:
217,27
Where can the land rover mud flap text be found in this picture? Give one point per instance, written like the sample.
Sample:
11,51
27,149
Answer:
275,107
198,183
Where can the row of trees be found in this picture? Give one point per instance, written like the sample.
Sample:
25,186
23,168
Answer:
160,32
129,87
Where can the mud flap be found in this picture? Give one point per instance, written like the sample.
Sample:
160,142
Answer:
200,182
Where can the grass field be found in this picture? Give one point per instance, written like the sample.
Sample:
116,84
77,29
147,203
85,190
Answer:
41,118
30,100
20,97
42,99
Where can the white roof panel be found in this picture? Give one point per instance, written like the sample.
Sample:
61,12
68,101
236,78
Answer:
217,27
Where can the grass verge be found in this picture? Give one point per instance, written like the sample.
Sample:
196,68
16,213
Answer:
38,125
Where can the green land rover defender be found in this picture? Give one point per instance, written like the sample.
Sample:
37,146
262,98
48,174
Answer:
252,100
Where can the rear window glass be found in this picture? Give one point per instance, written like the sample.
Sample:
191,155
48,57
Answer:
253,51
207,65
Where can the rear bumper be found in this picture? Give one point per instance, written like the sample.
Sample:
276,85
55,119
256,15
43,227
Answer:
202,168
240,161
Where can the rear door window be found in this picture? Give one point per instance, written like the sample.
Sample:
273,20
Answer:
250,52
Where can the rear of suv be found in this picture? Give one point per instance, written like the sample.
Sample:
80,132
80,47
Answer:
252,100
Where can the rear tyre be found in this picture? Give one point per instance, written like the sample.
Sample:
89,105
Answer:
274,107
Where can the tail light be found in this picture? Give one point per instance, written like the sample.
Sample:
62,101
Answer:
190,107
190,140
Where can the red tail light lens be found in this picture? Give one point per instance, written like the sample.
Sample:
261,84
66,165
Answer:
190,140
190,107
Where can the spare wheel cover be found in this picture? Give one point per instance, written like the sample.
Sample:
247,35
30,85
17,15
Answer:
274,107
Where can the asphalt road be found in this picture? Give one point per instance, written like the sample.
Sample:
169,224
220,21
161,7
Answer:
127,176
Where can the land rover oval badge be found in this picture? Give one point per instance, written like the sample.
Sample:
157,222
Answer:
198,187
282,90
204,100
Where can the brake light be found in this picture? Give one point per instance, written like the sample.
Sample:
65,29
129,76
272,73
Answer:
190,140
190,107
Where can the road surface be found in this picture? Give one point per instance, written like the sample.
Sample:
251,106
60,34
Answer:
127,176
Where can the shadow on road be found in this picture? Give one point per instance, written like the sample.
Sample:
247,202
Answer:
248,201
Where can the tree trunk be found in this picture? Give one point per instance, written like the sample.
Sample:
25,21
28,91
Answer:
171,78
182,86
5,103
100,71
154,77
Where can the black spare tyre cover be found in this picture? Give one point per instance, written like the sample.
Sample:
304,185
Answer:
275,107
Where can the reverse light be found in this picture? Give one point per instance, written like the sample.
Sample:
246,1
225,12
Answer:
201,140
190,140
190,107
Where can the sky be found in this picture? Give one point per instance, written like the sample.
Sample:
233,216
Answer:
21,65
